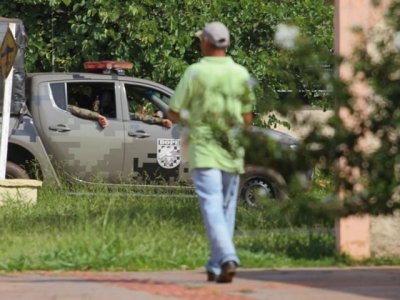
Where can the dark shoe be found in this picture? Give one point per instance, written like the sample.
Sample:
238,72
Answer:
228,271
211,276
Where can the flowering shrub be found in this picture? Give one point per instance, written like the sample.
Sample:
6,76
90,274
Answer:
363,149
285,36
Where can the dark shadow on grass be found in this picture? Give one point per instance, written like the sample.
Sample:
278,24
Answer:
300,243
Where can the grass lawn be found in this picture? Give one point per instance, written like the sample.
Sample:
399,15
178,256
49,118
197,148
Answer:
122,231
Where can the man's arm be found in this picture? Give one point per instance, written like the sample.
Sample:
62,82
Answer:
82,112
248,100
181,99
151,120
88,114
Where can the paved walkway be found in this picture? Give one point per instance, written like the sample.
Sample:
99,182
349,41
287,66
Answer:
282,284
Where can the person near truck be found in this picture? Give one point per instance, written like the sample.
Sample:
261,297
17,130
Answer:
146,113
104,108
214,97
82,110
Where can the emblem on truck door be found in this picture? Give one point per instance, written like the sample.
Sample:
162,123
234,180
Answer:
168,153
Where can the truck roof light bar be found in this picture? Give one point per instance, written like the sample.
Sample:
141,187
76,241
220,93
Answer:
108,66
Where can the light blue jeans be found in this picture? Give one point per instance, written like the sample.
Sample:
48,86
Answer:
217,192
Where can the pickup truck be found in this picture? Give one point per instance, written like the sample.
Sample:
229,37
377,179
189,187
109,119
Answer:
126,151
48,142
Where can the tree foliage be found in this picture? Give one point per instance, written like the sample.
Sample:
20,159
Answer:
157,36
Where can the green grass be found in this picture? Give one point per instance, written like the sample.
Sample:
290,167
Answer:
122,231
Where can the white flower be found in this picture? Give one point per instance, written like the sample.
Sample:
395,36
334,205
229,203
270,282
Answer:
286,35
185,114
396,40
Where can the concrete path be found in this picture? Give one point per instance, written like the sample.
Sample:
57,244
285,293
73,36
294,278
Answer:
282,284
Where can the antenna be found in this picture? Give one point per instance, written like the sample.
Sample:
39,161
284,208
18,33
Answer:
52,41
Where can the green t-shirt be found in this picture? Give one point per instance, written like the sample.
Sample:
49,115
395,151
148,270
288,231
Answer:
214,94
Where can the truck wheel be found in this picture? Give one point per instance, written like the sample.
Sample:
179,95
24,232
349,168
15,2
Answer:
14,171
254,187
265,183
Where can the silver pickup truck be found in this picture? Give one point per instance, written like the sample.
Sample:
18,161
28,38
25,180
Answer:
127,151
47,141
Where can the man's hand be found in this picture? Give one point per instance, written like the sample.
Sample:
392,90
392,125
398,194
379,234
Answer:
166,123
102,121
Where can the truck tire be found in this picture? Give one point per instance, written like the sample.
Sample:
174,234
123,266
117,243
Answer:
260,180
14,171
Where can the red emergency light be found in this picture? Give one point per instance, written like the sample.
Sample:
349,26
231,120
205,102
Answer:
108,66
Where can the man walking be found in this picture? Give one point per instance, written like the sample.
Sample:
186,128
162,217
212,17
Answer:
215,98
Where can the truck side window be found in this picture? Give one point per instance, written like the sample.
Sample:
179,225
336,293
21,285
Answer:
58,92
94,96
139,101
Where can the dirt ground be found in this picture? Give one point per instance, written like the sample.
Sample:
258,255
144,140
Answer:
271,284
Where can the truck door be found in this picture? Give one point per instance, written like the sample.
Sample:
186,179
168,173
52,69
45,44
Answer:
152,152
80,147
